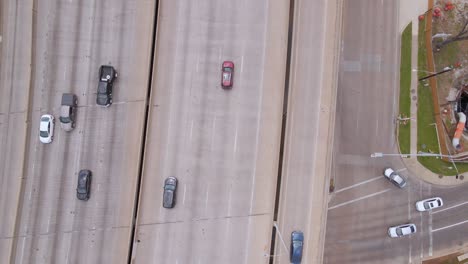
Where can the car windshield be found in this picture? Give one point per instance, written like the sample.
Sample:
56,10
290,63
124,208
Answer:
399,231
45,119
170,187
43,134
227,69
65,119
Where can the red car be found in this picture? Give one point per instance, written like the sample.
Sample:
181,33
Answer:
227,72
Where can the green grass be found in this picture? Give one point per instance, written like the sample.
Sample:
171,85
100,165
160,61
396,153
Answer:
427,134
404,137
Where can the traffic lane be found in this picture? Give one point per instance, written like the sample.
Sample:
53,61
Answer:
51,207
221,144
15,63
210,240
48,89
364,238
299,177
365,117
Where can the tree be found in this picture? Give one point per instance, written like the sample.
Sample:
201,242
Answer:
461,35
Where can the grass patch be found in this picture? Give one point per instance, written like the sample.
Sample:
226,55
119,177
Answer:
404,135
427,133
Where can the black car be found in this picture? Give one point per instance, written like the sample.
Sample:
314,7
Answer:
107,75
297,243
83,189
169,196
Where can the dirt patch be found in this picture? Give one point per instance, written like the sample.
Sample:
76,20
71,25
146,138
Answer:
453,55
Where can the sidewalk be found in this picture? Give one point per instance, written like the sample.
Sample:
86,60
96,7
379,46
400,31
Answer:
409,12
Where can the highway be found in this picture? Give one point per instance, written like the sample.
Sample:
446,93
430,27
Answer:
222,145
365,204
71,39
14,83
308,136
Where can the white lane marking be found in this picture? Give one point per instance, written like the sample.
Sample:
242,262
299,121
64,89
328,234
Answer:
207,195
358,199
220,53
445,209
235,141
213,133
98,187
198,61
360,183
242,64
191,131
445,227
185,190
430,234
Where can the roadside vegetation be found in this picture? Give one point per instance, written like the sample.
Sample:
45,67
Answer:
404,127
427,131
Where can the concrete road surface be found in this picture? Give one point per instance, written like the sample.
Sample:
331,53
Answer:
307,151
71,39
15,61
221,144
365,204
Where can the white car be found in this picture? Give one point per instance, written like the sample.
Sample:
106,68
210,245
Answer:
393,177
429,204
46,129
402,230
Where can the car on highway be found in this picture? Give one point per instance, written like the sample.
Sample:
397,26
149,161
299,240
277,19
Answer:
402,230
227,74
68,111
107,76
297,243
169,195
394,178
46,128
429,204
83,189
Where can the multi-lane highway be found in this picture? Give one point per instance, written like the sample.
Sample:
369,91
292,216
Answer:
70,40
308,135
221,144
364,204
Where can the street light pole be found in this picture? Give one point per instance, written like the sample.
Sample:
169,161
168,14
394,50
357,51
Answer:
419,154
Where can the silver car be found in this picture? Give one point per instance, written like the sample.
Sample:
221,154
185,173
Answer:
394,178
402,230
429,204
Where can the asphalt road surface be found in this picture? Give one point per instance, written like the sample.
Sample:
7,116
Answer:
364,204
221,144
71,39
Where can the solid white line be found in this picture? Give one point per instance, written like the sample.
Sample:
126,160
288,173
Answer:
185,190
445,209
358,199
213,133
191,130
206,199
430,234
242,63
442,228
357,184
235,141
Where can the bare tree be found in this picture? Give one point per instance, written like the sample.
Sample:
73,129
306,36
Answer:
461,35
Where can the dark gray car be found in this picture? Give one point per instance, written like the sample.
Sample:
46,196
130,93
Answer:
169,195
107,75
83,190
297,243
